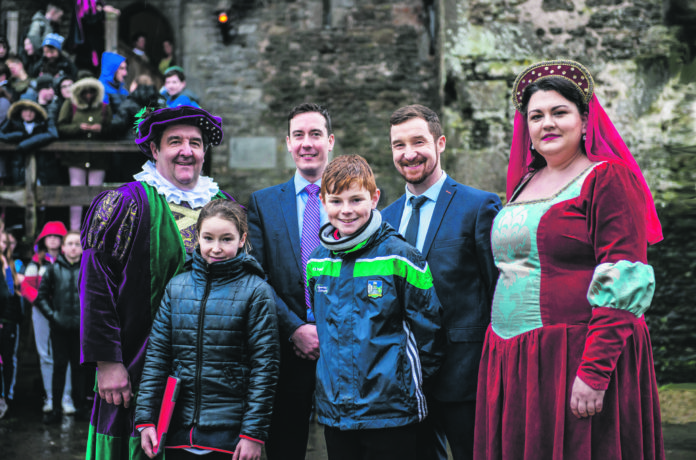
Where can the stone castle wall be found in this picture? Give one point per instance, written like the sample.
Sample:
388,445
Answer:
363,59
640,53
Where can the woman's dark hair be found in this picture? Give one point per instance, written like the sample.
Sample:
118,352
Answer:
563,87
228,210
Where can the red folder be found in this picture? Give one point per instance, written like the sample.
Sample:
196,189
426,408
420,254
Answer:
171,392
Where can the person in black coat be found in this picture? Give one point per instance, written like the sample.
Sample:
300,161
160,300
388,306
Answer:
216,330
59,301
29,127
53,60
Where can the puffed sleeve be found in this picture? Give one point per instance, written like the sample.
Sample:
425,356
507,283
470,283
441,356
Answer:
107,239
623,283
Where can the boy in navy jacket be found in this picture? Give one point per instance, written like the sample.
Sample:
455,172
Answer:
378,321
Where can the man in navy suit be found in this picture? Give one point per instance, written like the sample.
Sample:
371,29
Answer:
453,234
275,217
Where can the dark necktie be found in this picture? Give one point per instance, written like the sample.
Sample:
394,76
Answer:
311,221
413,223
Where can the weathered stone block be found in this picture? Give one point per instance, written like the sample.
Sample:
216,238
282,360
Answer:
557,5
252,153
487,99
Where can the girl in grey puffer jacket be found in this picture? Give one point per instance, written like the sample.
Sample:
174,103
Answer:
216,330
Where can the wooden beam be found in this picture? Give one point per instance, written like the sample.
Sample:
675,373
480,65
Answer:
82,146
30,193
31,197
64,195
13,197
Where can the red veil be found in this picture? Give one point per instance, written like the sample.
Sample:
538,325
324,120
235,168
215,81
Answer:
602,142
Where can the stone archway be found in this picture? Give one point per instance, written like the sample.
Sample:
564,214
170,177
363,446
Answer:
143,17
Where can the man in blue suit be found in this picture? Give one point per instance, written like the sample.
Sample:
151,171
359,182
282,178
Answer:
451,227
276,217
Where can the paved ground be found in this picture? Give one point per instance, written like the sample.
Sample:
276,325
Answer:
24,436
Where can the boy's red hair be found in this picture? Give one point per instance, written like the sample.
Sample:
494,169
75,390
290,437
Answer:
343,172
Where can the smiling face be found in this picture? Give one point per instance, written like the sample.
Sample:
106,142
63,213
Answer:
310,144
555,126
46,95
219,239
174,85
350,209
416,154
65,86
179,157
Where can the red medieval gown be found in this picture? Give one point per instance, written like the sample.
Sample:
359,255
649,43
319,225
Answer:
574,284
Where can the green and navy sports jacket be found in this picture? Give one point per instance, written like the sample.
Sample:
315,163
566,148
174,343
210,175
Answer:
378,321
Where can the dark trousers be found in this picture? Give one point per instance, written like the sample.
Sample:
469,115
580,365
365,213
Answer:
9,333
292,407
451,422
66,348
399,443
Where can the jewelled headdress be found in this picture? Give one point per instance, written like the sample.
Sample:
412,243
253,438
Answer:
572,71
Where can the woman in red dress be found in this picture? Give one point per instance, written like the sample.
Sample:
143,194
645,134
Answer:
567,369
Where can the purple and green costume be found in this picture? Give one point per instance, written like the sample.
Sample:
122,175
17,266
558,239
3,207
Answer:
132,248
134,242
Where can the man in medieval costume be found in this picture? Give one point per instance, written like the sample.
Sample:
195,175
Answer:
135,239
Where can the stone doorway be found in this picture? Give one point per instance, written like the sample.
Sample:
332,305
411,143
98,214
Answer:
142,17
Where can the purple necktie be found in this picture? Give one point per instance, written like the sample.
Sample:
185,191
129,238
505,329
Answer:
310,238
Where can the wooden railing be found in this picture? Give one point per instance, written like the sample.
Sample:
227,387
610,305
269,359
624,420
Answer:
31,197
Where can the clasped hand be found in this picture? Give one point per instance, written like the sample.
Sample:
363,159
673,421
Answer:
114,383
584,400
305,342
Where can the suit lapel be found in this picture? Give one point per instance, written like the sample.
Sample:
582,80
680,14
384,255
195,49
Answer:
394,212
449,188
288,206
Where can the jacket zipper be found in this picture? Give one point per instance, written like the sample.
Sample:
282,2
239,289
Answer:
199,351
